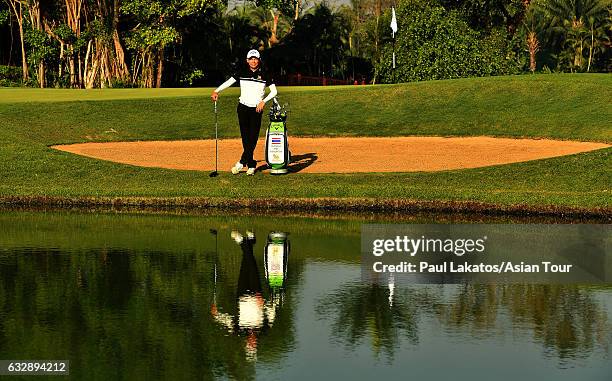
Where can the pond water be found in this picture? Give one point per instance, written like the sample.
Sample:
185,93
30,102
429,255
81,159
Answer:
142,296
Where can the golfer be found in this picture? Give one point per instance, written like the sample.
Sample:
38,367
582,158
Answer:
250,107
255,314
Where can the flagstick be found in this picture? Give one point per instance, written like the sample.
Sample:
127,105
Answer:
394,79
393,30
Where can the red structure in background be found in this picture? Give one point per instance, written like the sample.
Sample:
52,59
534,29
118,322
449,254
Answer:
304,80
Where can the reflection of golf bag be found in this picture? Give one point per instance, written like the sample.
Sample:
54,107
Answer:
275,259
278,156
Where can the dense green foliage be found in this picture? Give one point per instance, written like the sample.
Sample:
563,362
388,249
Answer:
171,43
446,39
312,45
435,44
552,106
9,75
577,32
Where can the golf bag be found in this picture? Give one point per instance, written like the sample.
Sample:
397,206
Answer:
276,253
278,155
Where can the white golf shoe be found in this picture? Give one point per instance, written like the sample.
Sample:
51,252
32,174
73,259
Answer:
237,168
251,171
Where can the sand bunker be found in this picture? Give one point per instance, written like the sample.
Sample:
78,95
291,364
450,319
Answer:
339,155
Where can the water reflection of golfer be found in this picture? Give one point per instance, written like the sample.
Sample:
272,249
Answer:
256,314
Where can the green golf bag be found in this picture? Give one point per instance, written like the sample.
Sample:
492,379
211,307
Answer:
276,253
278,155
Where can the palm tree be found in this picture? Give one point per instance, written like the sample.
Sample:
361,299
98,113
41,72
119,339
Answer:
269,20
567,22
597,39
533,23
243,34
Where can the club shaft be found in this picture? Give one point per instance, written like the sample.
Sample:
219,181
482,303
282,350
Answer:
216,138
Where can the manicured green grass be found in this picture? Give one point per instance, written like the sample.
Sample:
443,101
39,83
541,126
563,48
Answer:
574,107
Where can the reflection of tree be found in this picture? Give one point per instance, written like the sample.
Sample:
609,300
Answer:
475,305
123,314
564,318
361,310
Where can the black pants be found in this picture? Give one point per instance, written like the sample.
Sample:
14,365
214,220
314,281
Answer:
249,282
250,124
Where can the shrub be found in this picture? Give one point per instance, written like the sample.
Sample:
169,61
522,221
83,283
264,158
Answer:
433,43
10,76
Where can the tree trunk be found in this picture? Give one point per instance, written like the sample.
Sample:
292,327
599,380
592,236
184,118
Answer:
590,50
578,57
160,67
148,69
148,78
87,66
41,74
377,12
151,76
37,24
123,72
10,56
108,74
136,70
73,19
297,9
103,62
61,60
91,75
71,66
80,70
18,12
24,61
534,47
49,30
145,69
122,69
273,38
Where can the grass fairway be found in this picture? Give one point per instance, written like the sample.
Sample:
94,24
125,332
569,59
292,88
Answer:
571,107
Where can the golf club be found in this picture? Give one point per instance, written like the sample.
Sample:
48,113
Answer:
215,173
214,232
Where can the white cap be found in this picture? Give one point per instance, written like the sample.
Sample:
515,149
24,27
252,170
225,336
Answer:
253,53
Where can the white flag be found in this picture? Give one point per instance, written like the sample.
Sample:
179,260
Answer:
393,21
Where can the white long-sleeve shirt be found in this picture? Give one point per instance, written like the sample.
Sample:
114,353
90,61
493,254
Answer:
252,87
